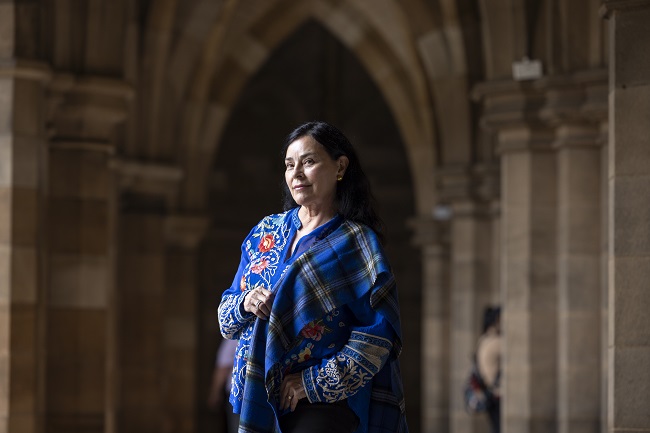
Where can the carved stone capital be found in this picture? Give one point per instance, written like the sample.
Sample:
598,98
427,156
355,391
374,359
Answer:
186,231
508,103
25,69
151,184
608,7
86,107
429,232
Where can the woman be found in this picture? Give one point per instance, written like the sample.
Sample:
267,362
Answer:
314,303
488,358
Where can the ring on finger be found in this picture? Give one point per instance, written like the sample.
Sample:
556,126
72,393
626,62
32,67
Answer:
258,304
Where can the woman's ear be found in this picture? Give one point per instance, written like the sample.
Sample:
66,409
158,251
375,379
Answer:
342,162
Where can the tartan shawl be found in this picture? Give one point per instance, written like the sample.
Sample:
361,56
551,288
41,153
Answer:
341,268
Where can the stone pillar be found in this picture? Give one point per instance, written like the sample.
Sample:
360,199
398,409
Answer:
528,254
141,303
184,234
80,283
147,192
22,161
79,365
594,109
529,207
576,120
431,237
470,283
579,277
629,211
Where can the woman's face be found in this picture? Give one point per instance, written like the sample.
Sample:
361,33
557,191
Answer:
311,174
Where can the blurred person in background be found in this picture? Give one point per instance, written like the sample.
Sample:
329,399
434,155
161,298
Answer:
221,383
488,358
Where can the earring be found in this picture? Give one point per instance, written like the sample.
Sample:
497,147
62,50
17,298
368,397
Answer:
339,178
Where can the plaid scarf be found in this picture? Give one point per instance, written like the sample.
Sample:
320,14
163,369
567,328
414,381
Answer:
341,268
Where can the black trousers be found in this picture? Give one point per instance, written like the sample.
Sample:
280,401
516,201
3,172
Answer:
494,413
320,418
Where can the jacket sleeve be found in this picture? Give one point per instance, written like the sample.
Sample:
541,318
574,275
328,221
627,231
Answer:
233,319
359,360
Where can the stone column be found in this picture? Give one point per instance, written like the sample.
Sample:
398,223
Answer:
141,303
529,207
22,162
431,237
528,254
576,120
147,192
80,256
629,211
184,234
579,261
80,283
470,283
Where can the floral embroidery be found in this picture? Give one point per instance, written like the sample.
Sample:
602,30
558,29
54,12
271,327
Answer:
242,283
305,353
349,370
314,330
259,266
266,243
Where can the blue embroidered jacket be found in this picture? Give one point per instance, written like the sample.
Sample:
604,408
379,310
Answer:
335,318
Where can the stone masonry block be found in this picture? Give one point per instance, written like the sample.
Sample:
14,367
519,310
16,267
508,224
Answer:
631,153
79,226
28,107
6,160
516,328
543,230
144,275
631,58
180,332
82,174
631,386
25,160
5,215
77,357
631,215
6,102
579,229
581,283
515,179
79,281
5,275
631,320
583,385
24,274
581,343
543,393
23,358
580,169
142,234
25,211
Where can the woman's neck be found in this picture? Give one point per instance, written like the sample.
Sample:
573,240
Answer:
312,217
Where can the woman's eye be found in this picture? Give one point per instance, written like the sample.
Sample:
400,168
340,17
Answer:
309,161
289,166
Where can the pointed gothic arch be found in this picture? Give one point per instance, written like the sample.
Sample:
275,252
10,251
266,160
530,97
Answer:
218,82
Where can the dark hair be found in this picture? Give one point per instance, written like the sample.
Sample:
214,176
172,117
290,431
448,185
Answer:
354,198
491,316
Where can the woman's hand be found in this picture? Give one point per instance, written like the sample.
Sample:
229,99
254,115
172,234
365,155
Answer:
291,391
258,301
